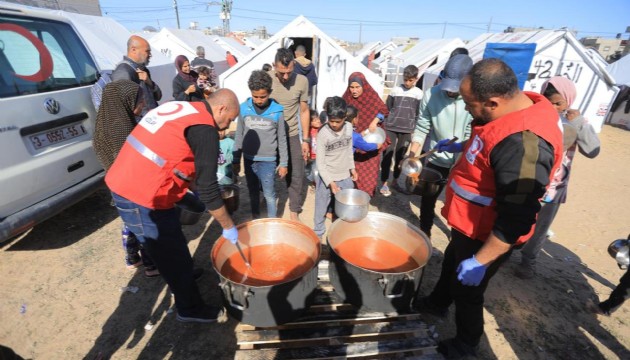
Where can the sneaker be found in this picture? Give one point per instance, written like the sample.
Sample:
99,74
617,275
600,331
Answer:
385,191
525,272
207,314
454,348
424,306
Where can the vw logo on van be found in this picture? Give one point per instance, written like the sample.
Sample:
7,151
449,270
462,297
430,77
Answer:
52,106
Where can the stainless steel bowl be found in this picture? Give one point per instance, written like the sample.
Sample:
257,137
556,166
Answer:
351,205
231,196
310,171
411,166
619,250
376,137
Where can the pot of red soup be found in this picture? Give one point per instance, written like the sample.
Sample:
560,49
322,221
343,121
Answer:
281,279
377,263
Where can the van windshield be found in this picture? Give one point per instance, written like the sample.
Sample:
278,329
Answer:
38,56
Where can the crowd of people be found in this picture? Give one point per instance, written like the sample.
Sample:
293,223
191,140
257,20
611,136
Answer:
505,154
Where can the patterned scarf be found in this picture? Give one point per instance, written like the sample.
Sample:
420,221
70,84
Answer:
191,76
369,103
115,120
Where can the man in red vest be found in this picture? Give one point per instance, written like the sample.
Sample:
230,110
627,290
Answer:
173,145
492,193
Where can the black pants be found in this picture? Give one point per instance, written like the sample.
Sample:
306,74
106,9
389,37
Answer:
396,150
295,177
619,295
468,299
427,205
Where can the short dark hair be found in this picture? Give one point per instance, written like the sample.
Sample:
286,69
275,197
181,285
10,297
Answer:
411,71
335,108
259,80
458,51
550,91
203,70
492,77
313,113
284,57
267,67
351,113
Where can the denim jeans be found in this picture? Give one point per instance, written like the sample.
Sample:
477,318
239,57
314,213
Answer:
323,197
161,234
261,174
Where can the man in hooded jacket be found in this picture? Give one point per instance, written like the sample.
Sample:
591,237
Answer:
304,66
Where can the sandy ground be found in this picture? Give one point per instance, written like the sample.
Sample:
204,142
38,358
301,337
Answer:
61,298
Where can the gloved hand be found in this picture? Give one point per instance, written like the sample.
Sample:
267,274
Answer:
452,148
470,272
231,234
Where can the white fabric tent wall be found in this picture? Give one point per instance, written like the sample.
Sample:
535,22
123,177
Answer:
334,64
557,53
620,72
232,45
174,42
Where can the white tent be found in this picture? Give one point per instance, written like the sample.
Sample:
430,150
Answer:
557,53
174,42
333,63
620,72
232,45
423,54
106,40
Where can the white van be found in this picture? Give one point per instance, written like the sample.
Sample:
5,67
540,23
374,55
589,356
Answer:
46,118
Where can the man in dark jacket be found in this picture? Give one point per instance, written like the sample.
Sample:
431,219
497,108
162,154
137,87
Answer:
304,66
134,68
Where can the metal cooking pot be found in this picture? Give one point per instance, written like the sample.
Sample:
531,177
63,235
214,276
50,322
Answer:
619,250
373,289
277,303
230,195
351,204
376,137
427,184
311,172
190,209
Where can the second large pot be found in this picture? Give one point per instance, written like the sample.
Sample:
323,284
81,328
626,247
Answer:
428,183
282,279
377,263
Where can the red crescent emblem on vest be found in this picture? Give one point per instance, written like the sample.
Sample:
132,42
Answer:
45,60
178,107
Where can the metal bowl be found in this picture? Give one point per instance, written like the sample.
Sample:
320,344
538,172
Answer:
619,250
351,205
411,166
376,137
310,171
190,209
230,195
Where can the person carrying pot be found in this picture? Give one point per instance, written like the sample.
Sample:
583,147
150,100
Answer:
172,145
492,193
442,115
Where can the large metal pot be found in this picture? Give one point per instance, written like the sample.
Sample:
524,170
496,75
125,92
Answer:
619,250
388,286
426,184
267,294
190,209
230,195
351,204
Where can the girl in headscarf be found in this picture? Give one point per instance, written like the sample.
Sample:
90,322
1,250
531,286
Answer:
121,103
577,133
185,82
372,110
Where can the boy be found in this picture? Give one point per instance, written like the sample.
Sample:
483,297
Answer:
335,162
261,137
403,103
226,157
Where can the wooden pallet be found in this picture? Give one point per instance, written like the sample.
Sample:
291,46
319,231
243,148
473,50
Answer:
334,330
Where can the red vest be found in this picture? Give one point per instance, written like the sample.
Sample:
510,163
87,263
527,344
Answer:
155,165
470,192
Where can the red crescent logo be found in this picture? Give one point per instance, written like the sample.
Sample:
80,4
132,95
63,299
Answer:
178,107
45,60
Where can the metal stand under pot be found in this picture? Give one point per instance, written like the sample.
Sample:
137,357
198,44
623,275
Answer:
383,290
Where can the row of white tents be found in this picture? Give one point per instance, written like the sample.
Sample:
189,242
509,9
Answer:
557,53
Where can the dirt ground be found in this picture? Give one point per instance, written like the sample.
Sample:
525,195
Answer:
61,298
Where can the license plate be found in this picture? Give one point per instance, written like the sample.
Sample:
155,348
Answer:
57,135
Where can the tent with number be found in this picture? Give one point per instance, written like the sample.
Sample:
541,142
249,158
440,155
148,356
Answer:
333,63
557,52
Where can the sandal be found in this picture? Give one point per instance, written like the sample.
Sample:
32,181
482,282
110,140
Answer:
151,271
385,191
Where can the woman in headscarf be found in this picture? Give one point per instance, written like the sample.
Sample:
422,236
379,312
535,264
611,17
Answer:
372,110
185,82
577,133
121,103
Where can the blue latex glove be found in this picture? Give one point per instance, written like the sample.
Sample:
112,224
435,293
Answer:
452,148
231,234
470,272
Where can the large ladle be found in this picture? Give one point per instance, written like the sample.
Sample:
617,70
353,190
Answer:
413,166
